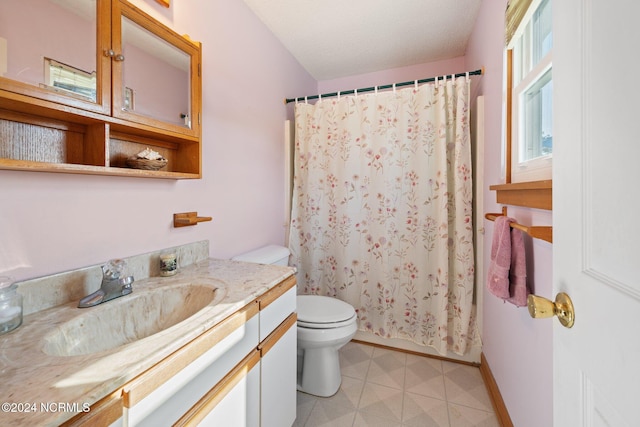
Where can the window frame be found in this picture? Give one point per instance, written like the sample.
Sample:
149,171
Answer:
538,168
534,191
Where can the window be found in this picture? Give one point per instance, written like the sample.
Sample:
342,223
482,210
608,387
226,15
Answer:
529,90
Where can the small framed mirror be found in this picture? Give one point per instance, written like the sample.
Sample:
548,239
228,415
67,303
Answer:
157,73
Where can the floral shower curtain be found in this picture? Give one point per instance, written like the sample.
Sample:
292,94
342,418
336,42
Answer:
382,210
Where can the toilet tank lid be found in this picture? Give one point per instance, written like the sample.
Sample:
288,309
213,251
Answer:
265,255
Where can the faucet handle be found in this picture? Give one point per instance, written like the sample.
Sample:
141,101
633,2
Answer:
114,269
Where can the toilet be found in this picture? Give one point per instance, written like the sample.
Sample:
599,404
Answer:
324,326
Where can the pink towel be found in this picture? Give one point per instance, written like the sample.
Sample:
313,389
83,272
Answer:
498,276
518,289
507,278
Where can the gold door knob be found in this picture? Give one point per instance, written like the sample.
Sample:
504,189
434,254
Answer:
540,307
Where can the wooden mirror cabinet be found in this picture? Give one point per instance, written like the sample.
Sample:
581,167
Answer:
84,102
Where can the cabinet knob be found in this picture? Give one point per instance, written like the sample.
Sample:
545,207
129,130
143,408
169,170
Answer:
119,57
109,53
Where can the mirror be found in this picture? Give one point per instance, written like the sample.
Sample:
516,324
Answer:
56,51
156,76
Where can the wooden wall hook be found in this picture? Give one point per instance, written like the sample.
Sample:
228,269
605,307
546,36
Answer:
186,219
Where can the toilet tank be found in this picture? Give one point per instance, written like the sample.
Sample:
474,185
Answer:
272,254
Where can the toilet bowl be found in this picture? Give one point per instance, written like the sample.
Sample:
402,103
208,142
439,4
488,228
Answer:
324,326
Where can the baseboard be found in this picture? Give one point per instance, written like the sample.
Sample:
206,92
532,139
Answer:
494,394
471,357
415,353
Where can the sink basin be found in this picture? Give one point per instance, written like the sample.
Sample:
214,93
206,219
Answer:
127,319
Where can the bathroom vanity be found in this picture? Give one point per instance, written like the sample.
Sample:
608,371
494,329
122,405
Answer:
231,362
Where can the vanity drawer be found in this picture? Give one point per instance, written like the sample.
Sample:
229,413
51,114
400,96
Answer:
276,305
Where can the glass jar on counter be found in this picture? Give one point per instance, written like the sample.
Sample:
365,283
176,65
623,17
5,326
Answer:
10,305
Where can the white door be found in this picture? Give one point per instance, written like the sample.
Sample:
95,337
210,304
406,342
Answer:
596,211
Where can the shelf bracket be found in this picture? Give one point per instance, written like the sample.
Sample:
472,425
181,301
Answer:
186,219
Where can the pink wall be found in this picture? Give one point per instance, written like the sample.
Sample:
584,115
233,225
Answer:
517,348
394,75
55,222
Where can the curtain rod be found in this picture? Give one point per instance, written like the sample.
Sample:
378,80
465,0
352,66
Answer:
373,88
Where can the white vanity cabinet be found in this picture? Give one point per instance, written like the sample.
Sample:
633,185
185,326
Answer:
242,372
149,403
261,391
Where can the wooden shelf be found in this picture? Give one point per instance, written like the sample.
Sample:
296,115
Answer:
22,165
535,194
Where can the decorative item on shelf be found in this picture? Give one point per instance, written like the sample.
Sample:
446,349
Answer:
147,159
186,219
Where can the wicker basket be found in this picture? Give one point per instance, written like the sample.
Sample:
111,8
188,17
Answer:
153,165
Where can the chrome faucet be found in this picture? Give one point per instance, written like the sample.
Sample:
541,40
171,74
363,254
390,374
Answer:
113,285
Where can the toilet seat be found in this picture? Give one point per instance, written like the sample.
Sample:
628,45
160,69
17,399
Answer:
320,312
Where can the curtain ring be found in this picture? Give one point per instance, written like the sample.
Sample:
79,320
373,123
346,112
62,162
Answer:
338,95
355,92
394,88
415,84
466,76
305,100
375,90
319,97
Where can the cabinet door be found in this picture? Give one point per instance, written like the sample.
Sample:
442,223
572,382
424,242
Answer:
278,376
237,406
156,72
54,50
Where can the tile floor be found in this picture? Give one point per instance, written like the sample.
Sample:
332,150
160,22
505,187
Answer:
386,388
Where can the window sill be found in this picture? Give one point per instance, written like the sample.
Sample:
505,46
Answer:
535,194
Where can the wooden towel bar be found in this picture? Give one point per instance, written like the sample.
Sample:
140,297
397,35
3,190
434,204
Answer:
538,232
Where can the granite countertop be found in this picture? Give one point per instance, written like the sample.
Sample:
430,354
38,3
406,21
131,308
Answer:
38,386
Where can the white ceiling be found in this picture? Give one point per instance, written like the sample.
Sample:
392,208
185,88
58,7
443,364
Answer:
339,38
